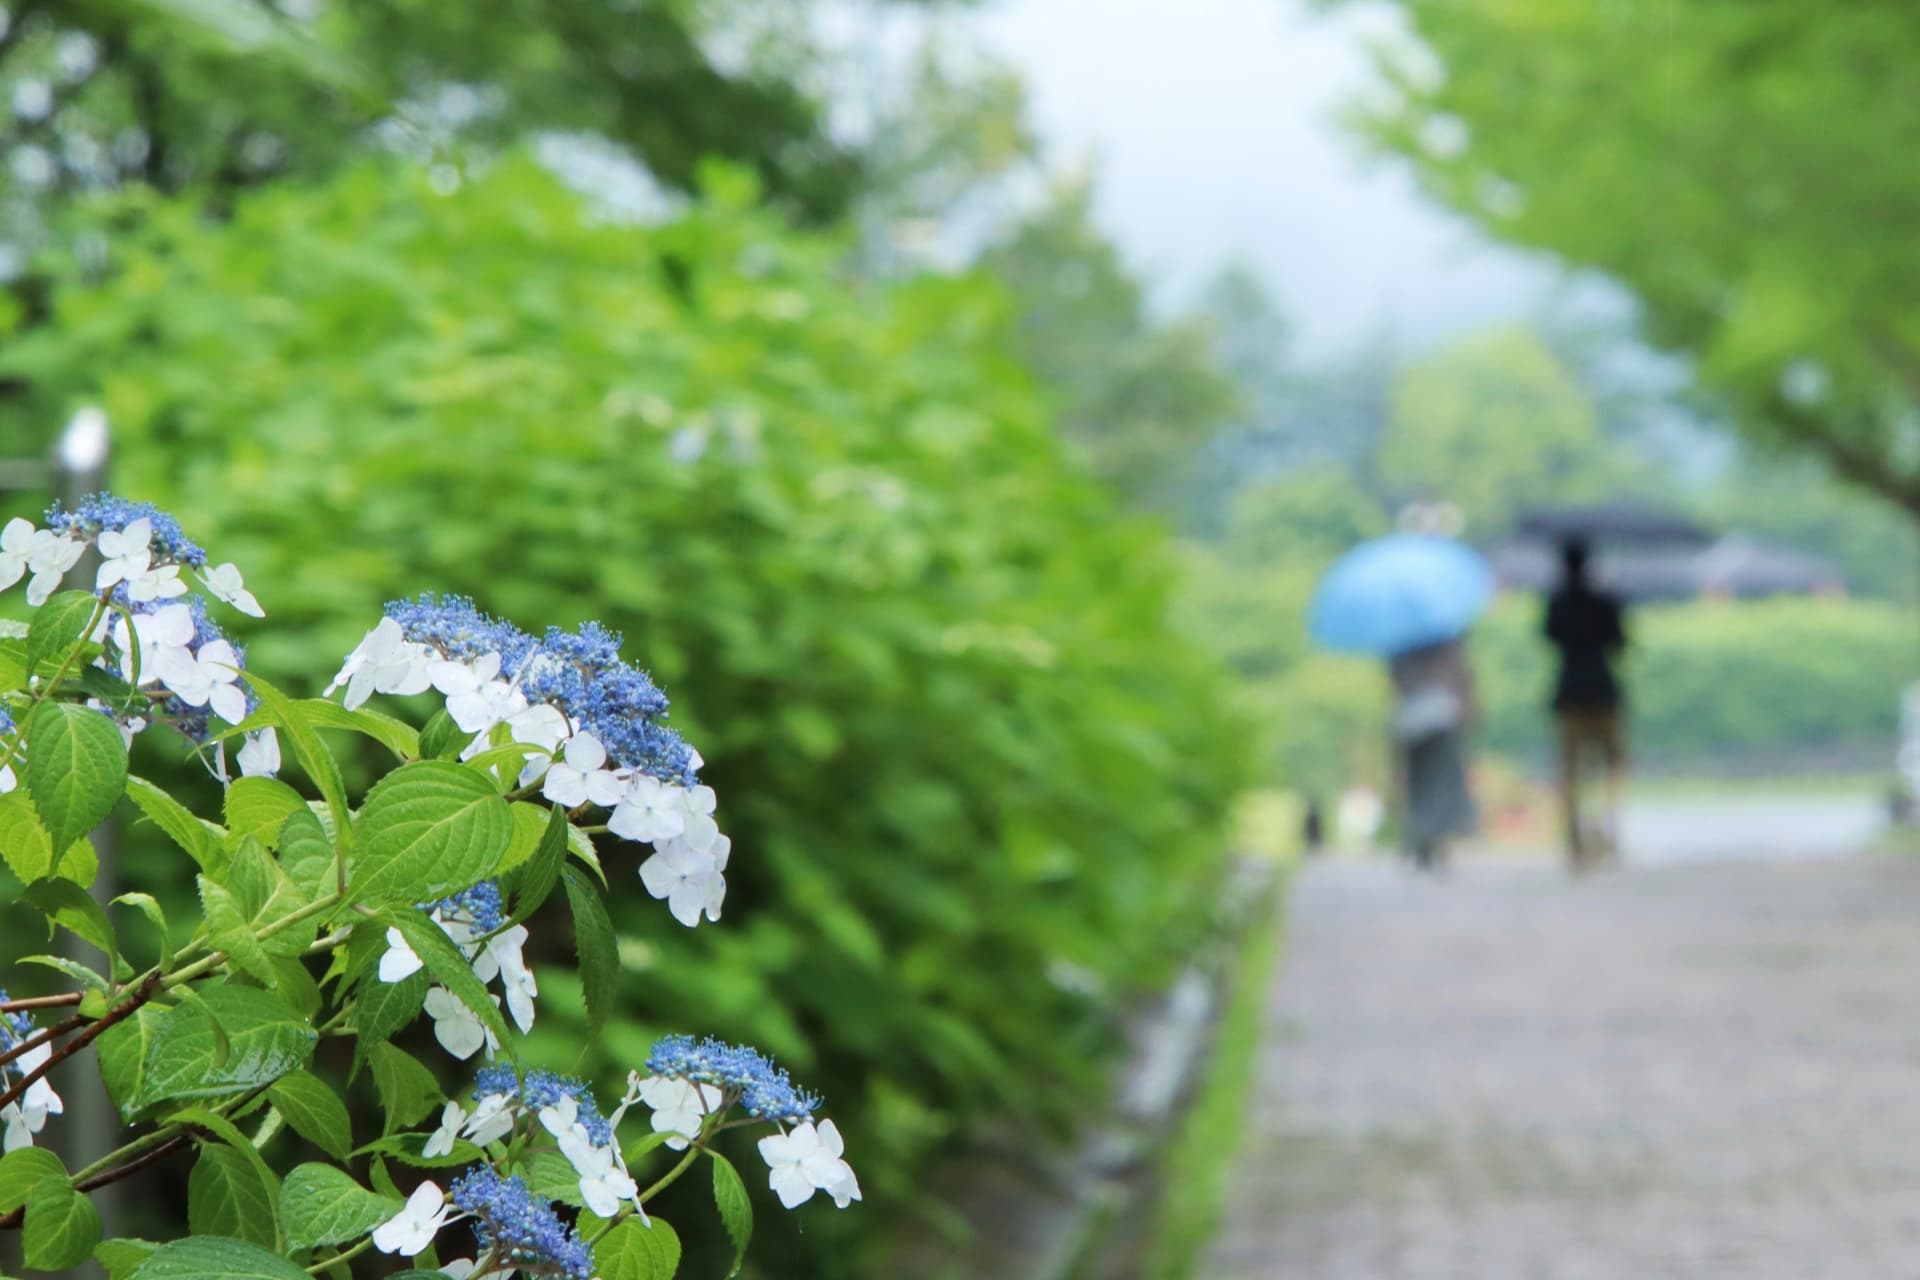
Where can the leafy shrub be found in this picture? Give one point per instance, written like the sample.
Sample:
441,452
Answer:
980,782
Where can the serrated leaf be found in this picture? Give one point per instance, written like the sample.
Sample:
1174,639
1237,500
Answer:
13,661
23,1169
409,1149
106,687
199,839
595,944
534,882
385,1007
551,1176
149,906
529,824
266,1041
229,930
28,849
395,735
61,1227
258,807
72,908
736,1209
308,750
314,1111
124,1050
320,1204
448,966
633,1252
407,1090
296,986
120,1256
227,1197
306,853
426,830
59,625
214,1258
76,769
442,739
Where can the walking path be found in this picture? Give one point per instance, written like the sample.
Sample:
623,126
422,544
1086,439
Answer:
1705,1070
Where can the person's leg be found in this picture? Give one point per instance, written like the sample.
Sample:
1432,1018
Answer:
1613,745
1569,730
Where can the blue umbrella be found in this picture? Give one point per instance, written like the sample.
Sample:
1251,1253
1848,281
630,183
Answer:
1399,593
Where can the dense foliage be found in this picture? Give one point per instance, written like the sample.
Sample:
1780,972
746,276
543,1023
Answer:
1741,168
323,927
979,780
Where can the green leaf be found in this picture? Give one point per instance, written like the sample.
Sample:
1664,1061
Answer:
147,905
13,664
448,965
121,1255
23,1169
201,840
59,625
633,1252
385,1007
227,1197
106,687
214,1258
409,1149
426,830
307,854
551,1176
259,807
534,882
314,1111
224,1129
736,1209
76,769
124,1050
407,1090
229,930
72,908
307,749
250,875
442,739
323,1205
61,1228
529,824
28,849
266,1041
594,942
296,986
73,969
395,735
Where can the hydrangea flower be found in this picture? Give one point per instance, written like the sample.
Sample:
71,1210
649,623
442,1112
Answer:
456,1027
679,1107
207,677
26,1116
411,1231
594,721
223,583
762,1089
7,780
807,1159
520,1230
472,918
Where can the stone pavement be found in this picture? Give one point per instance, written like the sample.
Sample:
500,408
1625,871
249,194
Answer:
1661,1071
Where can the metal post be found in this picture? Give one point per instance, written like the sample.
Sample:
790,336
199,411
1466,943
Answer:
90,1126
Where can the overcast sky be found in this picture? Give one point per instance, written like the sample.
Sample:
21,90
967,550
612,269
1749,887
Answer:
1214,127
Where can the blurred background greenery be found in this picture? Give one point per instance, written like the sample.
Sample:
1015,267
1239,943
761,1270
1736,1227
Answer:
974,555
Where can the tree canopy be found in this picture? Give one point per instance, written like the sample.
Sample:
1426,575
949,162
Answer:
1743,169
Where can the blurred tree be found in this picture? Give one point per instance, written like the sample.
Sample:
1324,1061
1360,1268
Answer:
1492,422
1744,169
1304,519
211,96
1136,393
1794,501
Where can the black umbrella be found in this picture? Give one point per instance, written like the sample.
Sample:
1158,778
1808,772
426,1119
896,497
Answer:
1611,522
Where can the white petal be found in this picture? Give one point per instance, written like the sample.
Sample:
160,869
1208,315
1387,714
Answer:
585,753
229,702
400,962
791,1185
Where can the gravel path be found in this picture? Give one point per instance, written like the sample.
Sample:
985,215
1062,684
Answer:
1663,1071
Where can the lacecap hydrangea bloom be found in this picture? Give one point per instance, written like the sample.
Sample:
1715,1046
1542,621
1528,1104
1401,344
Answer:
592,726
155,631
24,1118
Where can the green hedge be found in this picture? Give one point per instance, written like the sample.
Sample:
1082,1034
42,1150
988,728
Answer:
959,751
1721,680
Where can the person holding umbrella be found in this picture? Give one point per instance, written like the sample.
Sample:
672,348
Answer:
1409,599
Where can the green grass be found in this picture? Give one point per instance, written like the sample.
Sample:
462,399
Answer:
1658,787
1199,1164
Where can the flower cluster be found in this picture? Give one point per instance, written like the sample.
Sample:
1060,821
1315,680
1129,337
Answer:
566,1109
696,1079
591,724
473,918
162,636
27,1116
518,1230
